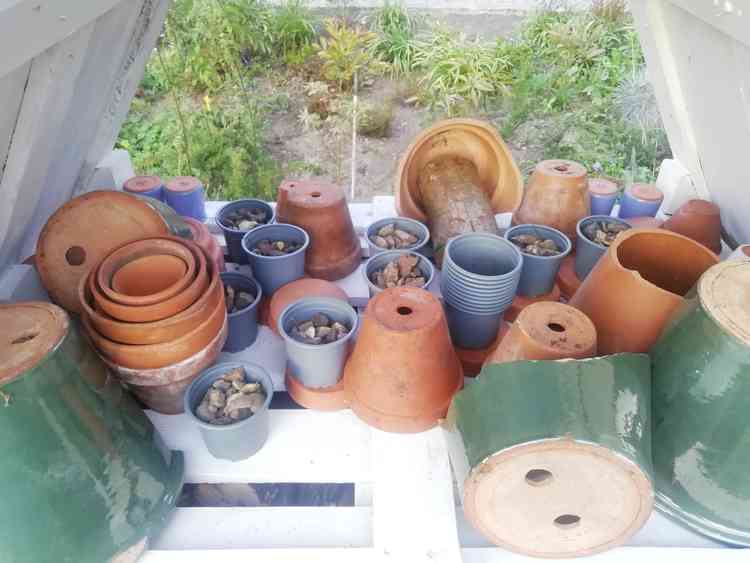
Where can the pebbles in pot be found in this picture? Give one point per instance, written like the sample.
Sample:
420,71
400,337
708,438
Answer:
603,232
230,399
537,246
319,330
389,237
276,247
236,300
245,219
401,272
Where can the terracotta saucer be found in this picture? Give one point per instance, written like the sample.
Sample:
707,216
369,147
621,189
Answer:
323,399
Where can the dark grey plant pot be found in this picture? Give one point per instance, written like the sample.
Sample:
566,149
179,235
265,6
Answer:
243,324
471,330
233,237
241,439
274,271
588,252
380,260
317,365
411,226
538,272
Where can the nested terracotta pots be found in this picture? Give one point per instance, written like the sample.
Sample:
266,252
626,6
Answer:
547,331
638,285
296,290
203,238
403,370
556,195
321,210
699,220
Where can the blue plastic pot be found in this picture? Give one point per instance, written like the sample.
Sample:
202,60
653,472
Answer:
243,324
538,272
150,186
472,331
233,237
589,252
380,260
410,226
640,200
274,271
185,194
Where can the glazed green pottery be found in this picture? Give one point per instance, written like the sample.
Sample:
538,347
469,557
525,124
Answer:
701,389
86,478
554,457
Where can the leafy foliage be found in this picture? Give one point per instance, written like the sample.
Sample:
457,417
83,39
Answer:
395,37
344,51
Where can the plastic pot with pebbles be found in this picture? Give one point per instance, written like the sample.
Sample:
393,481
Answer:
296,290
397,268
398,233
595,235
575,481
229,403
242,296
277,254
239,217
543,249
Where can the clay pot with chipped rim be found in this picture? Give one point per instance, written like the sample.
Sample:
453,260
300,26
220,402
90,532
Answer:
155,311
547,331
321,210
296,290
638,285
146,271
557,195
203,238
699,220
403,371
464,139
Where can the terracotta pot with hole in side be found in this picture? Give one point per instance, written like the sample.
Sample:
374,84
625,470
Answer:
547,331
699,220
203,238
403,371
557,195
296,290
473,360
638,285
520,303
321,210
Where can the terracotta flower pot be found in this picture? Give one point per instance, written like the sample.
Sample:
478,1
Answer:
521,302
146,271
556,195
321,210
327,399
296,290
567,279
547,331
645,222
473,360
699,220
638,285
403,370
467,139
203,238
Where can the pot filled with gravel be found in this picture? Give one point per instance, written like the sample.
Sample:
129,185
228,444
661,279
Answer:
398,233
398,268
239,217
543,249
241,296
277,254
595,235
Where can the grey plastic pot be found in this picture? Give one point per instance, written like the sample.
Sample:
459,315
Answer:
588,252
411,226
380,260
471,330
274,271
243,438
487,307
243,324
317,365
233,237
482,257
539,272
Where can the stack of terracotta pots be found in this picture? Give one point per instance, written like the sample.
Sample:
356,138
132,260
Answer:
154,309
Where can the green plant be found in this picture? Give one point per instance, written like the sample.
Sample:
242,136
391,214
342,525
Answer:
292,28
344,52
395,37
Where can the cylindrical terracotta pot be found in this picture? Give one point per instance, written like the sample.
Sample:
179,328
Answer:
468,139
273,272
403,370
638,284
411,226
553,458
232,236
381,260
701,385
203,238
556,195
539,272
296,290
567,279
520,303
602,195
185,194
151,186
547,331
77,445
742,252
473,360
321,210
639,200
699,220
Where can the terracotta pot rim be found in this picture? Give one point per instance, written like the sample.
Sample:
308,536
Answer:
140,184
258,292
259,228
183,185
644,191
603,187
249,200
562,254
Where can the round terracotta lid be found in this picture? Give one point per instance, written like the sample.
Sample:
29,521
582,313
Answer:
602,186
558,327
81,232
28,332
646,192
561,168
140,184
405,308
184,184
724,291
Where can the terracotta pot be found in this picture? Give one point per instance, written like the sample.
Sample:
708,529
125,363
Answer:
473,360
291,292
83,231
567,279
403,370
547,331
468,139
644,222
638,285
152,356
556,195
699,220
203,238
321,210
521,302
163,309
152,332
333,398
146,271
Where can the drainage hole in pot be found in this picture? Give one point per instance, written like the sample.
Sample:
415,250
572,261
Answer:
25,338
538,477
404,311
567,521
316,194
561,168
556,327
75,255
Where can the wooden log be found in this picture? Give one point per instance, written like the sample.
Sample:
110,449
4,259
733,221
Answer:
454,201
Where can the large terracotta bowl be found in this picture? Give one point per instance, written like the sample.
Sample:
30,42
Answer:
473,140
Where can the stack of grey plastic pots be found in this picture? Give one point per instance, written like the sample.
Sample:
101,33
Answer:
539,272
479,280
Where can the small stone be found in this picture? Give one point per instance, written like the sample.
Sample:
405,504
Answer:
251,388
240,414
324,331
216,398
406,264
320,320
310,332
222,385
390,274
415,282
203,412
405,238
237,374
242,299
238,385
222,421
387,230
247,225
379,241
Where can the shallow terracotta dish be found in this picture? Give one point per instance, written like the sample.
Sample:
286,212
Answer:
305,287
327,399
